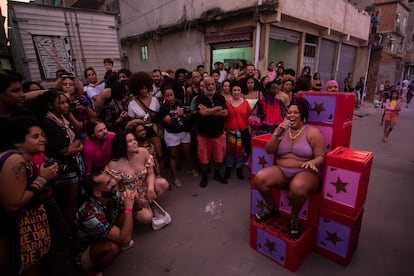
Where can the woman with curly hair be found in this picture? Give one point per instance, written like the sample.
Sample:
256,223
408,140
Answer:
146,107
300,153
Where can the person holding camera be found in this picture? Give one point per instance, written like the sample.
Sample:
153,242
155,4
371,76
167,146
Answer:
81,107
177,126
22,190
115,112
65,146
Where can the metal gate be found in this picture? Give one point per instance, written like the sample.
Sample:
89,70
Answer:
326,59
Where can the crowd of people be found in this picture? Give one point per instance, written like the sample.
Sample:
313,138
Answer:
94,157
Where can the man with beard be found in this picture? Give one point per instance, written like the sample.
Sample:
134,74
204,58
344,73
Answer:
212,112
105,224
97,147
156,85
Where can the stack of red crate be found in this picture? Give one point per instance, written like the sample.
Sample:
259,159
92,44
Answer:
271,237
344,192
332,114
335,226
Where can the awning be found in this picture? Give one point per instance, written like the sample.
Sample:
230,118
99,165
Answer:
240,34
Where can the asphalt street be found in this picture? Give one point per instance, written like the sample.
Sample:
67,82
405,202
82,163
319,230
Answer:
209,233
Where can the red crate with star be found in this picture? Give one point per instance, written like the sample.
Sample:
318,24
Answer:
260,159
346,179
338,235
335,135
272,241
308,215
334,108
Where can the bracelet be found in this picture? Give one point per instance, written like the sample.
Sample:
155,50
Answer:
34,190
40,180
127,210
36,185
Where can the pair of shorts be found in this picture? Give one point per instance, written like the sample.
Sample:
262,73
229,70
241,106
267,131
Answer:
211,146
392,116
176,139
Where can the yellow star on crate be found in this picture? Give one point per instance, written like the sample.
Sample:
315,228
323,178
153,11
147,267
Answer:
262,161
270,245
319,107
339,185
332,237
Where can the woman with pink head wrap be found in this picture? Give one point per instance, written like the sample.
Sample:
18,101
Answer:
332,86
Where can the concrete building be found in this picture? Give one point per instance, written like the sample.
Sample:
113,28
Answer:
390,48
329,36
47,38
101,5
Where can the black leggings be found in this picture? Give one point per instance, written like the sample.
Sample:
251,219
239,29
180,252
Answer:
409,96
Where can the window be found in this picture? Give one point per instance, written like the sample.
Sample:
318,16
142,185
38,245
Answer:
144,53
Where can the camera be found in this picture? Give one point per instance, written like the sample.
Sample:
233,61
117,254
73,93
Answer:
187,109
78,102
62,168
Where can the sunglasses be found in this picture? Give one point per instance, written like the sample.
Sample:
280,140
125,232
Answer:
68,76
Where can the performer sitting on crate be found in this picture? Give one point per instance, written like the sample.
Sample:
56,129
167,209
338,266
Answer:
300,152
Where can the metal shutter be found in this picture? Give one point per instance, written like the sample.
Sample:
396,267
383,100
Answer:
284,34
326,59
346,64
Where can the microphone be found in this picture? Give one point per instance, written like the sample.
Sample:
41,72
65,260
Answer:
281,130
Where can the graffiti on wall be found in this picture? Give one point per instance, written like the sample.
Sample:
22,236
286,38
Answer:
53,53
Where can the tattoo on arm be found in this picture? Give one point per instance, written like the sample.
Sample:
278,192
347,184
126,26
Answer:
19,171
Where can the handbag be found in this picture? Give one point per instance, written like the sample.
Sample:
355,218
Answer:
160,217
155,118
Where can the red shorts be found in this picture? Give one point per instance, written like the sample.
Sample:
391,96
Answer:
208,146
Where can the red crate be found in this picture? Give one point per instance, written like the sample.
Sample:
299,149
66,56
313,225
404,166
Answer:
310,210
260,159
338,235
330,107
346,178
335,135
252,182
272,241
309,213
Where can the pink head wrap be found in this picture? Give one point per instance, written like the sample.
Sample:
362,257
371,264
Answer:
331,82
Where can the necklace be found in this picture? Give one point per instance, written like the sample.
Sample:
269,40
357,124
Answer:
293,137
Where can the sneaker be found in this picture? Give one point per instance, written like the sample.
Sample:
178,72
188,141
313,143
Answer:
220,179
203,181
294,232
266,213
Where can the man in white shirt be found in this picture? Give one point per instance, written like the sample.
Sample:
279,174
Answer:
94,87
